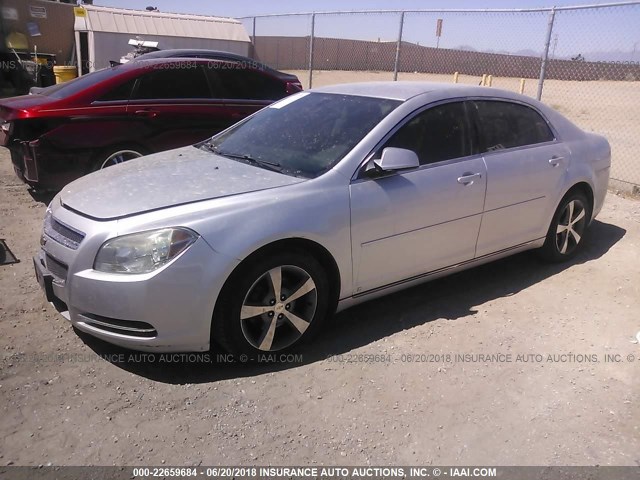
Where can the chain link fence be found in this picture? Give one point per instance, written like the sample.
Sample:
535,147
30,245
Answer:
583,61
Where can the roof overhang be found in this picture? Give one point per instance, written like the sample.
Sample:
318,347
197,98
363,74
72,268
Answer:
139,22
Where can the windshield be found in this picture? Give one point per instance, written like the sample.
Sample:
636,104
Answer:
66,89
303,135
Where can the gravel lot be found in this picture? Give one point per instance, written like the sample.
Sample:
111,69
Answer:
72,400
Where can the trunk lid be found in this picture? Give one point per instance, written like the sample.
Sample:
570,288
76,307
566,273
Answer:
16,107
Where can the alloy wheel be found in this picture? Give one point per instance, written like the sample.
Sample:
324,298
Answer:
278,308
571,226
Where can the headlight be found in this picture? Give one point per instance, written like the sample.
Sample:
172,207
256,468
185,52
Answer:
143,252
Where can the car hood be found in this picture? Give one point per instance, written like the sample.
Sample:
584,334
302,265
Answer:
165,179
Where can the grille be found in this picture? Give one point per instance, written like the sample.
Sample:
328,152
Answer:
123,327
57,268
61,233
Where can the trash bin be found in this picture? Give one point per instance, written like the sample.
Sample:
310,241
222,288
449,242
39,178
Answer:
64,73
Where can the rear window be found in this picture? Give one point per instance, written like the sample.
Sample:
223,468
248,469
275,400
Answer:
67,89
171,81
508,125
119,93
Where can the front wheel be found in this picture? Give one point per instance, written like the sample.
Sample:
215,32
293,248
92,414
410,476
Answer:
271,305
567,229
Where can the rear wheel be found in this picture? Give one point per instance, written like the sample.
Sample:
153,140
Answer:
117,157
567,229
272,304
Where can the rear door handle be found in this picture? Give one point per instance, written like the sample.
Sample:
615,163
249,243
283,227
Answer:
555,161
147,113
468,178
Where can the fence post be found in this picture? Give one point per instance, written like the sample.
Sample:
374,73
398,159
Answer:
398,47
253,39
545,55
313,27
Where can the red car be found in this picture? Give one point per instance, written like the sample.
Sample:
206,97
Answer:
62,132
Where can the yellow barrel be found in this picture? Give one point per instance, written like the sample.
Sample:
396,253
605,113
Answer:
64,73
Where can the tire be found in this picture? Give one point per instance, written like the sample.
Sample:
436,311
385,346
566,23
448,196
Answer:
114,156
250,320
566,232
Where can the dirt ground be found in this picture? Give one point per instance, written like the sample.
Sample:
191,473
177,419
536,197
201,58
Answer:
608,108
399,380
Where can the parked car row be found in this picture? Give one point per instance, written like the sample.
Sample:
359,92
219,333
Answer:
160,101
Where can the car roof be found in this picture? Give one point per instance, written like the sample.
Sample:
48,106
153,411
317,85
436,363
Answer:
205,54
405,90
144,63
188,52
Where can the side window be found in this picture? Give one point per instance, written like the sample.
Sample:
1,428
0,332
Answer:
121,92
174,81
236,81
437,134
508,125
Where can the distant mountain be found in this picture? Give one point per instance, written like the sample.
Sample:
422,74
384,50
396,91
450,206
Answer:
528,53
524,53
597,56
611,56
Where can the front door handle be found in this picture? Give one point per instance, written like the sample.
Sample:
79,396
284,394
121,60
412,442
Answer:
468,178
147,113
555,161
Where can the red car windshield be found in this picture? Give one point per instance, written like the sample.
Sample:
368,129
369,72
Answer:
67,89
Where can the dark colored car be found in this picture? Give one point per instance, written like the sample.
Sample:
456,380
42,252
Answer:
62,132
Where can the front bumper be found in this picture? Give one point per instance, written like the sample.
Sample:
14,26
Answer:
168,310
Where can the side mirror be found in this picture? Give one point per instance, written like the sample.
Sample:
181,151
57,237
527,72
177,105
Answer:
396,159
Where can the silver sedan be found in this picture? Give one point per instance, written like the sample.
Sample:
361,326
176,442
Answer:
323,200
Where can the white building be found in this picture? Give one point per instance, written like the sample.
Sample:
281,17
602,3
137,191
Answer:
102,33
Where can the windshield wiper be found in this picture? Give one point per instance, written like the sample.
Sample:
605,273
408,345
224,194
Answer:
276,167
273,166
209,146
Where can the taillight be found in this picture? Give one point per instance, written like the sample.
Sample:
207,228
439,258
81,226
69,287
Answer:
294,87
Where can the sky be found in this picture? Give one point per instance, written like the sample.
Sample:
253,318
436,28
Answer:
603,34
241,8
